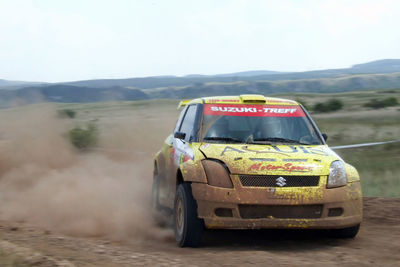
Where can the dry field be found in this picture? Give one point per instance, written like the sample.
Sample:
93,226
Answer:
63,207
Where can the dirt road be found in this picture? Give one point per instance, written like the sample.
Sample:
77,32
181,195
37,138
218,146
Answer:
378,244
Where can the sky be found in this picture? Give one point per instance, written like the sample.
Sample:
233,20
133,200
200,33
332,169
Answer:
68,40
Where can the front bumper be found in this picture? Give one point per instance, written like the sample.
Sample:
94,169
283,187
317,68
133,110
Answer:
324,204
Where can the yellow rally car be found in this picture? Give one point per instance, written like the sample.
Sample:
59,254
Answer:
251,162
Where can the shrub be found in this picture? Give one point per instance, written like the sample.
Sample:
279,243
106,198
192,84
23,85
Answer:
328,106
67,113
84,138
387,102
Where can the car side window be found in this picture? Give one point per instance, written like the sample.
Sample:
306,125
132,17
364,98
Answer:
179,122
188,122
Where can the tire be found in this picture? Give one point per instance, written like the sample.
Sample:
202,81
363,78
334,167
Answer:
162,216
187,226
155,204
349,232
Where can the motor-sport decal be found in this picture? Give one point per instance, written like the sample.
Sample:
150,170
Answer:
276,149
181,152
172,155
253,110
288,167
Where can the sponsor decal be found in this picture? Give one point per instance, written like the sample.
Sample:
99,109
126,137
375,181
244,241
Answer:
172,154
228,148
223,100
262,159
205,146
183,158
253,110
288,167
277,150
279,101
295,160
181,152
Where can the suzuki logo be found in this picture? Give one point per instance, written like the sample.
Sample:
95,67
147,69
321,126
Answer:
281,181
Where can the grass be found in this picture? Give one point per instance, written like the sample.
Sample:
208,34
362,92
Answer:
378,167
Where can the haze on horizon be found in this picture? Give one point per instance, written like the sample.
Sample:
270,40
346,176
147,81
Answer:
54,41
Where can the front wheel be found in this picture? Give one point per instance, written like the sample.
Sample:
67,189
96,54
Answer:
187,226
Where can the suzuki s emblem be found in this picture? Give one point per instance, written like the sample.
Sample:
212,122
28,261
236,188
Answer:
281,181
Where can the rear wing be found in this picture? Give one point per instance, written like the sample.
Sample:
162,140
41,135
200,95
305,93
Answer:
184,103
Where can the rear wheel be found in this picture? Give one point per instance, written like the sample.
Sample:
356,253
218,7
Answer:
187,226
349,232
161,215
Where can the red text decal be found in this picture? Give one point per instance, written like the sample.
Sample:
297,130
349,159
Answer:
288,167
253,110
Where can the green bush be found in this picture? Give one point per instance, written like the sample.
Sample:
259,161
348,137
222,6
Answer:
387,102
67,113
84,138
328,106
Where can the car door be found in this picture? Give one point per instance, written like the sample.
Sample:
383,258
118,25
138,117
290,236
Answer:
166,161
181,148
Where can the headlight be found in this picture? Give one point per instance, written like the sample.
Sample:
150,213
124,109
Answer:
337,175
216,173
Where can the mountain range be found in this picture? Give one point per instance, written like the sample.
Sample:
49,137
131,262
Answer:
380,74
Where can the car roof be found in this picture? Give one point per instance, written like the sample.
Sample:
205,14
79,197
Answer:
240,99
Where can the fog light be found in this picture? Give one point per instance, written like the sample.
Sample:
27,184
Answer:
335,212
223,212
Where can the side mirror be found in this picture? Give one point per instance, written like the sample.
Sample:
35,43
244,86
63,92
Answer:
180,135
325,136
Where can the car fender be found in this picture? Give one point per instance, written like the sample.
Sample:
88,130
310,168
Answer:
192,170
352,173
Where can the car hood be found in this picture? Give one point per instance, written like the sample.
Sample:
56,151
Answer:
272,159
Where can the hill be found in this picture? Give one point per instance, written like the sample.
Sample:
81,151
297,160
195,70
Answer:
374,67
380,74
322,85
68,94
379,66
6,84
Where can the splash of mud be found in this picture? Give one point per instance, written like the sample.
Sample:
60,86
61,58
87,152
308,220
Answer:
45,181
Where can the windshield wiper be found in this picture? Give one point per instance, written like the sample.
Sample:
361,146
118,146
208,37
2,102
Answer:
220,138
280,140
258,142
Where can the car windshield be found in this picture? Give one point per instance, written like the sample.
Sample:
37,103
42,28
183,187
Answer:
257,124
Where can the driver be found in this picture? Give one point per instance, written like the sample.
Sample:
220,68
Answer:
219,129
270,127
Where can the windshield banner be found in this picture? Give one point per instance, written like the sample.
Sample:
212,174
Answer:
253,110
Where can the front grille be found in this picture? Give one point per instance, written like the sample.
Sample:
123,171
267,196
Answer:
278,181
280,211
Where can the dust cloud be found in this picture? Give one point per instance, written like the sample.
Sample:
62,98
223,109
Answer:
46,182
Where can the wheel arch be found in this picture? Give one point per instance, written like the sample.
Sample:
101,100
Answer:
191,172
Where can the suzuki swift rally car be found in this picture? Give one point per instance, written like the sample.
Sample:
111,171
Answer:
251,162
